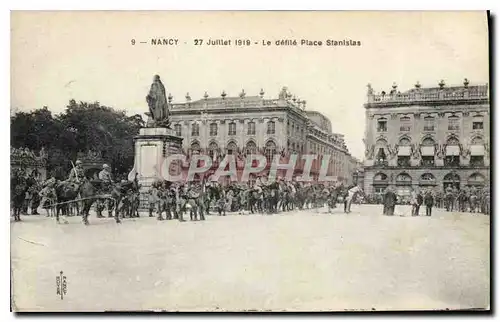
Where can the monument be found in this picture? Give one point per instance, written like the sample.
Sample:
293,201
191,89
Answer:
156,141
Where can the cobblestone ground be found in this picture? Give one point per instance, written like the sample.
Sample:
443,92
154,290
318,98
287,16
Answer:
292,261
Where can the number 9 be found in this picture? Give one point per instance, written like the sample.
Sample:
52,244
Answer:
133,41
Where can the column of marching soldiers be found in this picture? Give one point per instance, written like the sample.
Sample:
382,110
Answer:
170,200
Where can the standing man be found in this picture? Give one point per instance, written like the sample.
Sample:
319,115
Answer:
416,202
107,181
390,200
429,203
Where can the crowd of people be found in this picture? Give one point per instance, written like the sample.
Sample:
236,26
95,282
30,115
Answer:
263,196
171,200
467,199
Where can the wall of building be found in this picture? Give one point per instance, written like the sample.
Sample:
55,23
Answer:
440,114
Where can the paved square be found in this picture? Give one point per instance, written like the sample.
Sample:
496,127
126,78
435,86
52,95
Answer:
291,261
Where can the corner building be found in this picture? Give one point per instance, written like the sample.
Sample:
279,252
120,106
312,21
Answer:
243,125
431,137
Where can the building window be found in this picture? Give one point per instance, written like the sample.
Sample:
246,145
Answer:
251,128
477,160
232,128
271,127
232,148
477,123
195,129
270,151
213,129
381,157
251,148
212,150
405,124
404,152
178,129
453,123
429,124
427,178
195,147
452,152
427,150
382,125
451,180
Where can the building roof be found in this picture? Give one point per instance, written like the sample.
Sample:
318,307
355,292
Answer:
441,95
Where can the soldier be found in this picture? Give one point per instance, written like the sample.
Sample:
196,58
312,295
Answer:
107,181
49,196
390,200
429,203
77,173
105,175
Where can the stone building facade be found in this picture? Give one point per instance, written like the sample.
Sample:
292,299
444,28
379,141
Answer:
427,137
253,124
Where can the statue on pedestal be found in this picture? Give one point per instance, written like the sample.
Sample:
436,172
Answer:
158,104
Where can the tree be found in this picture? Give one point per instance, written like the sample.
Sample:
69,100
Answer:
80,128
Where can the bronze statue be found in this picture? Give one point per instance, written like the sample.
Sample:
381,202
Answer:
158,104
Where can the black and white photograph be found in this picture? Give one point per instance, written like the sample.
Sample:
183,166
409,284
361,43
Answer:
250,161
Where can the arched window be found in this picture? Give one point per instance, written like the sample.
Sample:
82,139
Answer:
251,148
403,178
195,147
452,152
451,180
427,151
213,129
452,141
178,129
428,142
381,143
381,156
477,140
477,152
212,150
452,177
380,177
404,141
271,127
195,129
232,148
428,177
270,151
476,179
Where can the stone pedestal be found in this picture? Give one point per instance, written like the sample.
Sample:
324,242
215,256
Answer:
439,162
151,147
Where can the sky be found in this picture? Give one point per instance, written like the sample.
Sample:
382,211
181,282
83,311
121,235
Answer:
89,56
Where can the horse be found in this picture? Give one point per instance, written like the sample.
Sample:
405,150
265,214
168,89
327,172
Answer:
352,193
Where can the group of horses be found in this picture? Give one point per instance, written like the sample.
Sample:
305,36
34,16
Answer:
176,199
270,198
122,197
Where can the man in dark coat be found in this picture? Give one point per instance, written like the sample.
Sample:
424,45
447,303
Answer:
429,203
390,200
